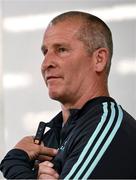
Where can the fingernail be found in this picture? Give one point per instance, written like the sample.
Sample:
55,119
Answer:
50,164
55,151
56,175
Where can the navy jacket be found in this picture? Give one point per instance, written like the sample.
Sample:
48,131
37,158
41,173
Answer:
97,142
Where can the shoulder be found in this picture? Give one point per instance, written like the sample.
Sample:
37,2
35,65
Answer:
104,114
100,124
129,125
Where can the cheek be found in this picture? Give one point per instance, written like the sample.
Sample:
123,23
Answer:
76,69
73,77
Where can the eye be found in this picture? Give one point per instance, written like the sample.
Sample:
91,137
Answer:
44,50
62,49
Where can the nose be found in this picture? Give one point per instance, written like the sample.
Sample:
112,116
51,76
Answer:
49,61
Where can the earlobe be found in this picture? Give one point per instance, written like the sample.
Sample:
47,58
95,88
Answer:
101,58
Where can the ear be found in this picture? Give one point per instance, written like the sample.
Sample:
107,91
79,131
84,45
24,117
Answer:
101,58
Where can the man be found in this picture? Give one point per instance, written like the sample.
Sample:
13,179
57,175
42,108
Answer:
93,137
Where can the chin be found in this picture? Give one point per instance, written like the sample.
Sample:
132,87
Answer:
57,97
54,95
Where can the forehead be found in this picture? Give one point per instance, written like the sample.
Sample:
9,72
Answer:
65,29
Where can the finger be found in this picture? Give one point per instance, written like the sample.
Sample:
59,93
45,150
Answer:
42,158
48,151
47,168
47,163
46,177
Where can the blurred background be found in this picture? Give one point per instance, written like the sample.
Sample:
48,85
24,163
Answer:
23,96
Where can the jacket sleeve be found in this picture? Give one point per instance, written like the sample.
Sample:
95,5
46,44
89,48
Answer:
17,165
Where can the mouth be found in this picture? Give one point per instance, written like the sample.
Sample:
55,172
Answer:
52,78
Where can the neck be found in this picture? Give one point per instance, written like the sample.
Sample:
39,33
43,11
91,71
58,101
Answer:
82,100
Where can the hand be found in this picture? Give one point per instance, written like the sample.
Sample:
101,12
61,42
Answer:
35,151
46,171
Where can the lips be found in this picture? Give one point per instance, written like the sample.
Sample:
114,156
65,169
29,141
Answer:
51,77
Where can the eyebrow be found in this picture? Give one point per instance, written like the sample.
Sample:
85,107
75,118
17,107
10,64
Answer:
43,47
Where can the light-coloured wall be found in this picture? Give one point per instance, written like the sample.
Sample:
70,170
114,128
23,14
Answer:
24,96
2,142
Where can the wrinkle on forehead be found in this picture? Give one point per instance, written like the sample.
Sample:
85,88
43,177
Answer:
64,27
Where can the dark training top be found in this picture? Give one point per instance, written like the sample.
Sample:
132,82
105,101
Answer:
97,142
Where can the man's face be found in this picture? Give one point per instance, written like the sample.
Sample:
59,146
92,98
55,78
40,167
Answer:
67,67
